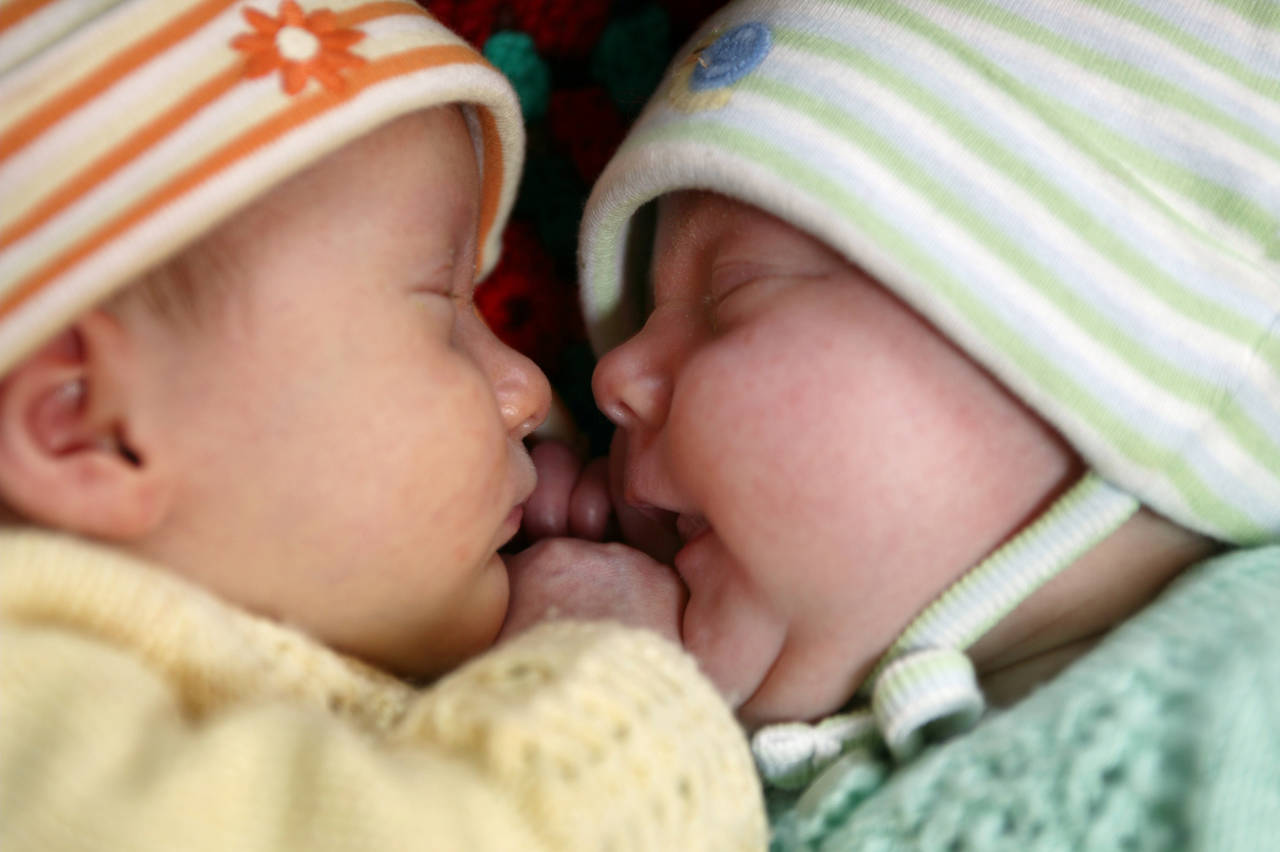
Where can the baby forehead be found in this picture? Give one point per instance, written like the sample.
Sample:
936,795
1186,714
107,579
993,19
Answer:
684,207
709,224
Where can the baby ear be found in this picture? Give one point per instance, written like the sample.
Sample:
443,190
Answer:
68,454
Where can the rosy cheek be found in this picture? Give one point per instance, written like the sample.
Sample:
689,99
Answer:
732,435
774,439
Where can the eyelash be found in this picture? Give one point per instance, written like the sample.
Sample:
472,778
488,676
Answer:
718,294
437,300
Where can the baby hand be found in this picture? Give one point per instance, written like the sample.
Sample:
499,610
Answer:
584,500
571,498
571,578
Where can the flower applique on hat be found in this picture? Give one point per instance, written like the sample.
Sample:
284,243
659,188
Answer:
300,46
704,79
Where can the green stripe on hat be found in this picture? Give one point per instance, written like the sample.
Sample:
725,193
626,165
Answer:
1128,74
988,149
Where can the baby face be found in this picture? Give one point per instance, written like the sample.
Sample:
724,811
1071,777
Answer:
832,462
350,430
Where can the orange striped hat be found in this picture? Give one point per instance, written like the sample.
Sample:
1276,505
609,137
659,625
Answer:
128,128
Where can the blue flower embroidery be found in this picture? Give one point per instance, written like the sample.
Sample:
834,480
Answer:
731,57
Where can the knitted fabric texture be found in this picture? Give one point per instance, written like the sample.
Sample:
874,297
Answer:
130,128
143,713
1085,198
1162,738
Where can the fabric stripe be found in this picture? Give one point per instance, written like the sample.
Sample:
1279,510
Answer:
92,132
944,86
275,126
1038,183
139,53
26,42
1047,111
1248,430
1144,124
1262,12
99,171
199,98
14,12
1125,28
976,17
108,74
379,9
1042,76
491,176
1224,29
206,131
1224,200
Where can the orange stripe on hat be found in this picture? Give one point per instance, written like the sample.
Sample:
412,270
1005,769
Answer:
16,11
139,53
104,76
491,175
164,124
123,154
273,128
381,9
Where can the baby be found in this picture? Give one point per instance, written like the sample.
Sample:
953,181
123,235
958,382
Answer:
952,338
258,453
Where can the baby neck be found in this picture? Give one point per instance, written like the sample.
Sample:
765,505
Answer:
1068,615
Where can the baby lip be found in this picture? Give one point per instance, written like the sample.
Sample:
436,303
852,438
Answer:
690,527
644,507
526,477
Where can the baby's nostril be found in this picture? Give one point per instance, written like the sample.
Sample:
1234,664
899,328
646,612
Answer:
620,414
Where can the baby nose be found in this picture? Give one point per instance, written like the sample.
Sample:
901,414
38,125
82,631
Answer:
631,387
520,387
525,398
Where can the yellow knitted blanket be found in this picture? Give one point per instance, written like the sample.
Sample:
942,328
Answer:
140,712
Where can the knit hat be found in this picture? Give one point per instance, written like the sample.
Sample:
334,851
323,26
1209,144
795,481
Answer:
1084,197
128,128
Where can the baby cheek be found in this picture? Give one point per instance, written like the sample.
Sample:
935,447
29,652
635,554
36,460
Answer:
757,429
463,449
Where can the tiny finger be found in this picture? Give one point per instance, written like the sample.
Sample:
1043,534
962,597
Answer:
589,505
546,513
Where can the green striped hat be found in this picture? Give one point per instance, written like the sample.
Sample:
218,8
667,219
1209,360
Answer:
1084,196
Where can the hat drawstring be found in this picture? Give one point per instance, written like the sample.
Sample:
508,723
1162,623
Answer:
925,687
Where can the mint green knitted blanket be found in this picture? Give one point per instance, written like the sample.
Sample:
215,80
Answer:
1166,736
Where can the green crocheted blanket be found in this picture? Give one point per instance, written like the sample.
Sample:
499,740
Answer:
1165,736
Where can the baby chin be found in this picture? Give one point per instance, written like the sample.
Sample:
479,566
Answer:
735,640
